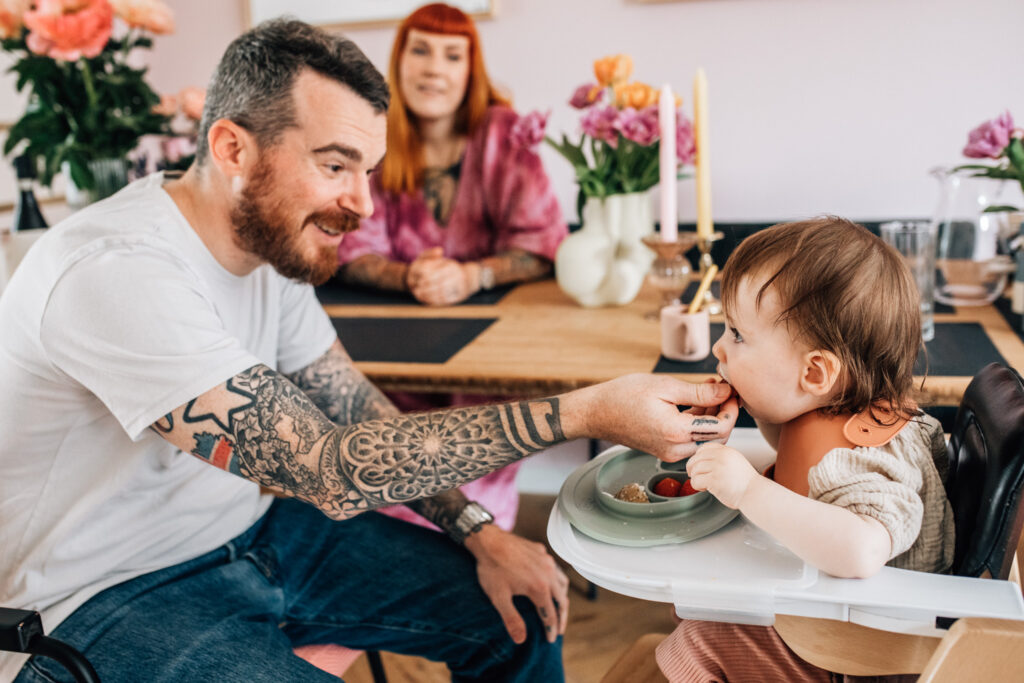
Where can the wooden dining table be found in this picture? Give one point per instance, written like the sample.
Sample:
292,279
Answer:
533,340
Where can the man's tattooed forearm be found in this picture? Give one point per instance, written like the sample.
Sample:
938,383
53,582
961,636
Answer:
373,270
342,392
278,438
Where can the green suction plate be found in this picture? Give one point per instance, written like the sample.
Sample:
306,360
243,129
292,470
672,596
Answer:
587,500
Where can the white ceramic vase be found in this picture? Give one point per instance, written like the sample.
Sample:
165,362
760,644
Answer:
604,263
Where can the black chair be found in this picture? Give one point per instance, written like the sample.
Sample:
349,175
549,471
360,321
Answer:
986,473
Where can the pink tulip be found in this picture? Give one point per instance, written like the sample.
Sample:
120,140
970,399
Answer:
11,12
528,131
639,126
151,15
988,140
69,29
192,101
586,95
599,123
686,148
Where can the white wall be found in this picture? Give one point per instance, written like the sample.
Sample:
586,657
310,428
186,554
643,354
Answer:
816,106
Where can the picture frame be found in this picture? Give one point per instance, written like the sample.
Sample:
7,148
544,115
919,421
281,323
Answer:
350,14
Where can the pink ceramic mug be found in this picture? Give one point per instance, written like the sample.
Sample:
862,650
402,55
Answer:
685,336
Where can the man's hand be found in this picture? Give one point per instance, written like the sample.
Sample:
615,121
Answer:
723,471
438,281
509,565
642,412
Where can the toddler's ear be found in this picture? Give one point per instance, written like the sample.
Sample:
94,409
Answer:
821,372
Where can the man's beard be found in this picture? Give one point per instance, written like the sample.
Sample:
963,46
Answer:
261,222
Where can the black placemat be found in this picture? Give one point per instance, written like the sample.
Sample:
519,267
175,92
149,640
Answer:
335,292
707,365
939,307
1002,304
958,350
407,340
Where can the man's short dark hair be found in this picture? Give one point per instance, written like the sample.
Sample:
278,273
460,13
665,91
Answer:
253,82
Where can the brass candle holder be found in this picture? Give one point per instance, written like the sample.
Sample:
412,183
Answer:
711,302
670,271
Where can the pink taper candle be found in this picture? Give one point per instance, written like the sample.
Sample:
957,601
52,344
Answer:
700,130
667,164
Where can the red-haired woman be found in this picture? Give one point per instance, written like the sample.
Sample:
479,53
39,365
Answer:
459,205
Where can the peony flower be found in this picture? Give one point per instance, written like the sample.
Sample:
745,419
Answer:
613,69
193,100
990,138
528,131
639,126
635,95
11,12
686,146
599,123
151,15
586,95
69,29
168,106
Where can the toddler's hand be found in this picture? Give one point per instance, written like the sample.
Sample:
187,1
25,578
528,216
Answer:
723,471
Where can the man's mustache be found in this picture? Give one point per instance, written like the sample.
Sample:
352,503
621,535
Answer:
342,220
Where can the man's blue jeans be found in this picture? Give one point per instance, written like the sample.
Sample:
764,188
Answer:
297,578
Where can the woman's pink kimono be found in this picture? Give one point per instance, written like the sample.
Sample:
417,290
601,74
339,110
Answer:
504,201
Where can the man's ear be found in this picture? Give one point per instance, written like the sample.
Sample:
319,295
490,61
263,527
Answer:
232,148
821,372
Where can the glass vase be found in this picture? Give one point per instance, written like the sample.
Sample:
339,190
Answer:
110,176
972,256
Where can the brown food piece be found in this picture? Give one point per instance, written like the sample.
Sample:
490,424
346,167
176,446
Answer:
633,493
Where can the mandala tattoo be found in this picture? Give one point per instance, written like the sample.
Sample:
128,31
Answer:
280,438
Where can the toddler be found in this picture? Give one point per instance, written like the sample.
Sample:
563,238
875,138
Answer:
822,332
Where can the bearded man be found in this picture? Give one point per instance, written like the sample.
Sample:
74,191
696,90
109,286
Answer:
164,362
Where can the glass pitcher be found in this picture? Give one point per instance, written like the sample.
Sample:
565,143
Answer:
972,257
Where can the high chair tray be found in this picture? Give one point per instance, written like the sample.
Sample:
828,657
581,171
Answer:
740,574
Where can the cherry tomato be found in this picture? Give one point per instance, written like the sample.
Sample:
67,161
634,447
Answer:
688,489
667,487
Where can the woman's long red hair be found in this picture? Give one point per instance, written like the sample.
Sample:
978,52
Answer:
402,169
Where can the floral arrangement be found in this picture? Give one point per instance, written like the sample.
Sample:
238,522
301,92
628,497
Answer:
178,147
86,102
997,139
617,151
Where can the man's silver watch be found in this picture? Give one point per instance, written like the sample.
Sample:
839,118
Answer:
470,520
486,277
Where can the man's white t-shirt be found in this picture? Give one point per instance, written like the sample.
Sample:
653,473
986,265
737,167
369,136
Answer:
116,317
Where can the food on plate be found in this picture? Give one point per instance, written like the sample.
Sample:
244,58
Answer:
633,493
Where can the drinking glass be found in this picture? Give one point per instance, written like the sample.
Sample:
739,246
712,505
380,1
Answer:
915,240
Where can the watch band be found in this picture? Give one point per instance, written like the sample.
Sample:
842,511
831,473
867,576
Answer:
470,520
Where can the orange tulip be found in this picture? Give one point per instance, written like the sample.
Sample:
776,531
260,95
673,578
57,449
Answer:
613,69
635,95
